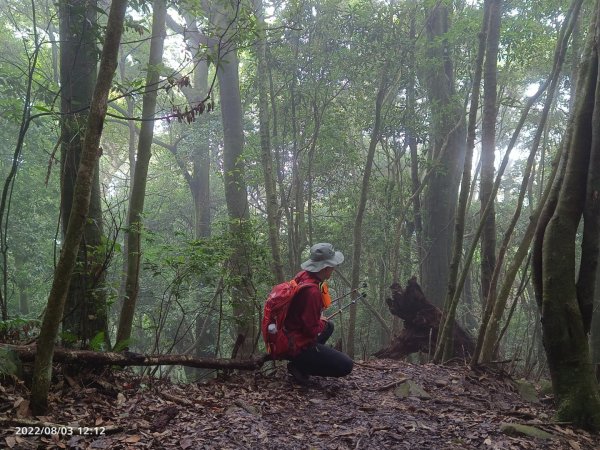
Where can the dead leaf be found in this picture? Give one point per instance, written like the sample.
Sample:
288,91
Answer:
133,439
185,443
121,398
102,443
10,441
73,442
574,445
143,424
23,409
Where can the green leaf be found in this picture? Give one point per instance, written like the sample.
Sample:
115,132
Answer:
42,108
97,342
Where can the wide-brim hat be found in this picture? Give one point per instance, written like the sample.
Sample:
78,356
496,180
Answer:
322,255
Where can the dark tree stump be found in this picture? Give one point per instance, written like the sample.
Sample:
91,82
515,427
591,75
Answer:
421,325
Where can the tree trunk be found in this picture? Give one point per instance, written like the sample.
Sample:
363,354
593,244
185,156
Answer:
199,181
296,214
495,305
265,145
138,190
488,146
411,137
275,140
131,147
444,346
42,371
21,283
362,203
200,189
595,332
85,312
563,310
242,292
448,137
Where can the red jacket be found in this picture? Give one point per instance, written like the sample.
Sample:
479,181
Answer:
303,321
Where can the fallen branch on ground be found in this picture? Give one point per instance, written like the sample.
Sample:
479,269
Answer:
27,353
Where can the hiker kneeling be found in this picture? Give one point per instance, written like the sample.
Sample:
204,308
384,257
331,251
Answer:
307,330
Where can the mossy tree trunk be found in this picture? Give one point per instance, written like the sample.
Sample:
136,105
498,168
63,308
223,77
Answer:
85,312
564,301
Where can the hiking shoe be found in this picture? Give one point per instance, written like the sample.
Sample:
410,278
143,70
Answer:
298,375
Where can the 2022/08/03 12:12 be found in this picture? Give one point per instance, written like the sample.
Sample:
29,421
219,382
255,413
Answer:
60,430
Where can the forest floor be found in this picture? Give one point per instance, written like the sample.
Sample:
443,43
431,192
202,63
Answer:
379,406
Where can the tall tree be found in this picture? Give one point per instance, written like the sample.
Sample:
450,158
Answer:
138,190
448,133
265,144
495,305
25,114
488,146
199,178
445,344
564,297
85,312
42,371
224,19
411,137
382,93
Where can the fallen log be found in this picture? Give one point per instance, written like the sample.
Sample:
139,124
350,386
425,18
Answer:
421,321
26,353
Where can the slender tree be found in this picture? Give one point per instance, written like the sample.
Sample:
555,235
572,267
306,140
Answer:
42,371
224,20
382,93
138,190
26,118
445,344
265,144
495,304
411,137
488,145
199,178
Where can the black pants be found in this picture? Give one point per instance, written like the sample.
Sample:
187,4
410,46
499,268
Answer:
323,361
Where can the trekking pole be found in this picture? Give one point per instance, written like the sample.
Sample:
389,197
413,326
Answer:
362,286
362,295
